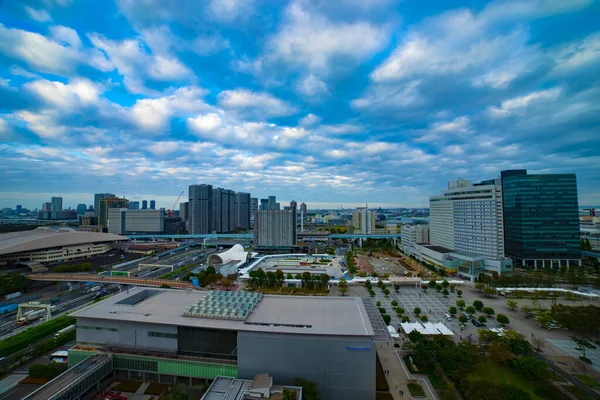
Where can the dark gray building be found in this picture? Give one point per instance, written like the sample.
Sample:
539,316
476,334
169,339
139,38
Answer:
56,203
541,218
242,210
169,334
97,198
201,209
274,229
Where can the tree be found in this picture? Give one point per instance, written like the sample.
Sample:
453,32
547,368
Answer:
289,276
463,319
424,318
417,311
309,389
544,319
394,303
445,283
445,292
489,292
482,319
499,350
470,310
386,292
452,311
325,279
397,288
459,293
298,276
378,303
343,286
532,368
538,342
478,304
289,394
405,319
582,345
387,319
502,319
512,304
489,311
480,286
452,287
460,304
432,283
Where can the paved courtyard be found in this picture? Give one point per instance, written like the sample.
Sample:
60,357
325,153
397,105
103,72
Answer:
568,346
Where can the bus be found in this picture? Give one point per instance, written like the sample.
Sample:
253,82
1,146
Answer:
60,357
64,330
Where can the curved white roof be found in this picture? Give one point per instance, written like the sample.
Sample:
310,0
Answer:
236,253
45,238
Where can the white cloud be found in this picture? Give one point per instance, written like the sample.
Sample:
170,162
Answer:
205,123
309,120
152,115
310,40
65,36
163,147
460,124
44,123
386,97
578,54
340,129
45,55
75,93
38,15
264,103
229,10
513,105
135,64
4,129
312,87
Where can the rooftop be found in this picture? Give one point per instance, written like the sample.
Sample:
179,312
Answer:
279,314
44,238
440,249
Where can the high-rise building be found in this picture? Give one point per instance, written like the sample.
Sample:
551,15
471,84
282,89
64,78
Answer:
273,204
18,209
468,218
134,205
81,208
303,209
47,206
220,210
144,204
201,209
144,221
414,234
152,205
363,221
184,211
253,204
106,203
97,198
541,218
264,204
242,210
56,203
115,222
274,229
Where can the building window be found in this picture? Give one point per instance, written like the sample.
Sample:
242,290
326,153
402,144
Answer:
162,335
97,328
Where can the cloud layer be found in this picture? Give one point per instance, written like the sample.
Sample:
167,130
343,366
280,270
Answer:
376,102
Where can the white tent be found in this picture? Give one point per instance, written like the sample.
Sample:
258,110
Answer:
427,328
393,332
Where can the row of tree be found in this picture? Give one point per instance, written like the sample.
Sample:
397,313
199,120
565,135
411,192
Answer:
259,279
13,282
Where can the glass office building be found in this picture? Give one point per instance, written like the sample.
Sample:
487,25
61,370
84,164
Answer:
541,218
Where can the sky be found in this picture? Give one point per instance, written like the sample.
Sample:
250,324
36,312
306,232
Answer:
330,103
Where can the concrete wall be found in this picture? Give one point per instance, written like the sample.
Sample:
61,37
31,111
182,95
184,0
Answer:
128,334
340,366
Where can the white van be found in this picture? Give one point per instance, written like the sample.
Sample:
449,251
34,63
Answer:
448,317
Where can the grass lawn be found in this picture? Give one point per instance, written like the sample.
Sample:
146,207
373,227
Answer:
591,382
556,377
497,373
416,390
156,389
574,390
126,386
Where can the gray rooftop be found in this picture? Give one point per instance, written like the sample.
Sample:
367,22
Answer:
278,314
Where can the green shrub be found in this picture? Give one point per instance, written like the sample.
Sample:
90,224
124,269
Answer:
32,335
47,371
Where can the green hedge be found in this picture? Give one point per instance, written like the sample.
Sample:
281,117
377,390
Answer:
28,337
47,371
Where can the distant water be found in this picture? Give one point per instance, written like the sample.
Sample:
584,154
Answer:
406,220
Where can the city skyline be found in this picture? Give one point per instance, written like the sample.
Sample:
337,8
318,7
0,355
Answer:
380,103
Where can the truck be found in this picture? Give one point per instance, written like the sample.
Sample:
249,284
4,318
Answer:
94,289
13,295
32,315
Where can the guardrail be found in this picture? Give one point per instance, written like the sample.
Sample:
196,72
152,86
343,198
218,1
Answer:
111,279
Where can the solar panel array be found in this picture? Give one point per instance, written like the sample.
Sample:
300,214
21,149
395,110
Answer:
225,305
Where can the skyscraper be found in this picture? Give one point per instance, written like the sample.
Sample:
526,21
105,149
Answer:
56,203
97,198
363,221
253,204
81,209
541,218
274,229
184,210
47,206
303,209
242,210
152,205
201,209
264,204
144,204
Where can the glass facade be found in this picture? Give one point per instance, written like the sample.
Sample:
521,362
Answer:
206,342
541,217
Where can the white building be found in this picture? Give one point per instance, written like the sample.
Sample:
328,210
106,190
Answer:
468,218
413,234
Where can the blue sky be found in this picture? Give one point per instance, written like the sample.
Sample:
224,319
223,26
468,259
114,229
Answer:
330,103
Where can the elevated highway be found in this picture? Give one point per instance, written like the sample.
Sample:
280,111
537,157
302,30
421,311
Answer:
111,279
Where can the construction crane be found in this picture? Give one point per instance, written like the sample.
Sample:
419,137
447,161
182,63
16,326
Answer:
170,212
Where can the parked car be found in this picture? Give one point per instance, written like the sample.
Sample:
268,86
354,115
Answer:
476,323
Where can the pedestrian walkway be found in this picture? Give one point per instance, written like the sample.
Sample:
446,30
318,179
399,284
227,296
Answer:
399,376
